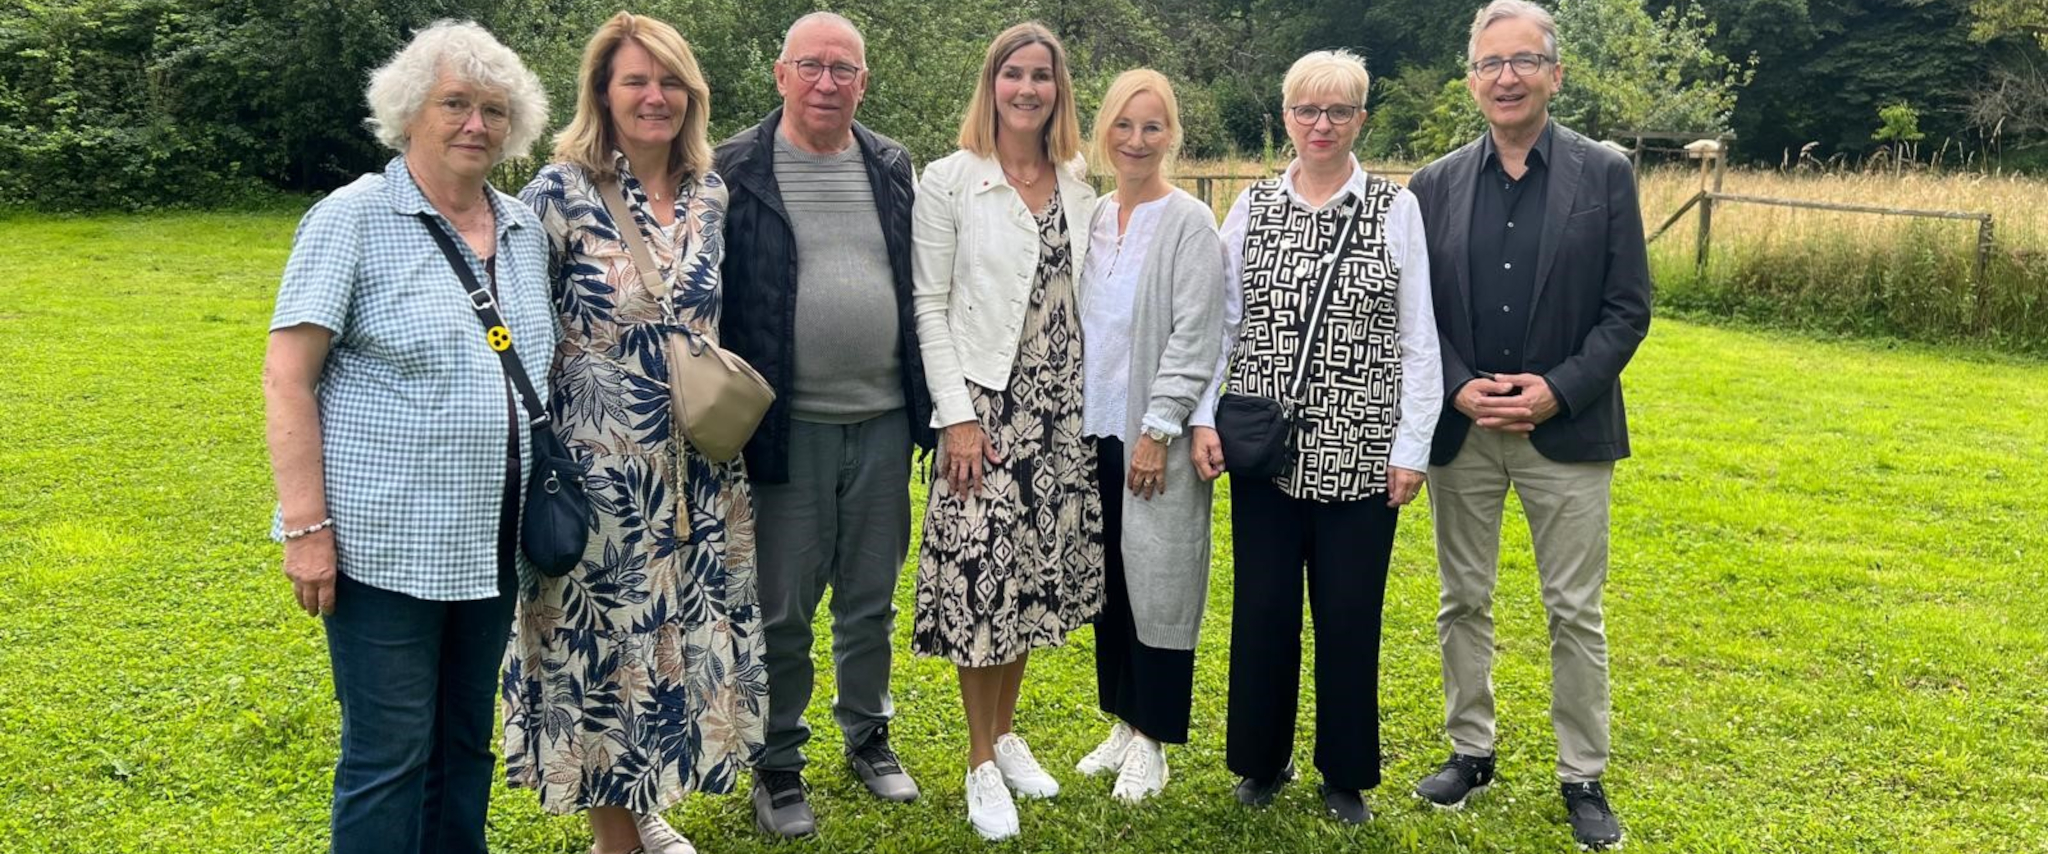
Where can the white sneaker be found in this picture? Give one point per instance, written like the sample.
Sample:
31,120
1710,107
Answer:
1021,770
1143,773
657,837
1109,755
989,807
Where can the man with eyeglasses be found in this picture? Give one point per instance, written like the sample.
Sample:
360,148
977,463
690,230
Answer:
1536,245
817,298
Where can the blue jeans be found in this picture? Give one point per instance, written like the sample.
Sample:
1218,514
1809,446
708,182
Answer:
418,682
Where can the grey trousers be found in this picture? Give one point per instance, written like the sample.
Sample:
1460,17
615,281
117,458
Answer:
843,521
1566,504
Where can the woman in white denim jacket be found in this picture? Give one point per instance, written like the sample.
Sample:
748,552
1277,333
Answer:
1012,555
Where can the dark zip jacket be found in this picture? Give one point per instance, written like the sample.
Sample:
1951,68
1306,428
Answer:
759,273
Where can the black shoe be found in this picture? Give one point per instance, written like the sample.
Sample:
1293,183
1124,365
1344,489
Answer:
780,805
1259,793
880,770
1346,805
1459,778
1593,823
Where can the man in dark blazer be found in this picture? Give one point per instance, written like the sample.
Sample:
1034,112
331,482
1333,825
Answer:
817,298
1542,296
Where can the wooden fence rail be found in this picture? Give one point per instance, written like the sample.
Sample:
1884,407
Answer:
1986,229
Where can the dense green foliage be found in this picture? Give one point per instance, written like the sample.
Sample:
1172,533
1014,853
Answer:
1825,611
1825,67
126,103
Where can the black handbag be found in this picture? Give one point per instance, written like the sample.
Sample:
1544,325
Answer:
1258,432
554,523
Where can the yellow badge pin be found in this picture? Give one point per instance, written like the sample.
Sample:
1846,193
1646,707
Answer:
499,338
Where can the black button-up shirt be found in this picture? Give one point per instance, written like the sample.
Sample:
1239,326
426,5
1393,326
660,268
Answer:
1507,225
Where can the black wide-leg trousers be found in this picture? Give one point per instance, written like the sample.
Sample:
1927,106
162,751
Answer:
1344,547
1147,687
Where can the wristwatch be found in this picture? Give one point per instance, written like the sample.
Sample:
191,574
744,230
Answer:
1159,436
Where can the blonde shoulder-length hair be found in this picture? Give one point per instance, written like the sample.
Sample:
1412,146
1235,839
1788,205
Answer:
1127,86
589,140
1062,133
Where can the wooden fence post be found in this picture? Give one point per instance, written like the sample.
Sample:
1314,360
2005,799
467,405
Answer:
1708,195
1985,237
1203,192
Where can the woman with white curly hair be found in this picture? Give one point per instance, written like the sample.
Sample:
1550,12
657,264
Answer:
398,448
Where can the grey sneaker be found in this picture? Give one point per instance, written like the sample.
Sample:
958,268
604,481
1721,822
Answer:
780,806
878,768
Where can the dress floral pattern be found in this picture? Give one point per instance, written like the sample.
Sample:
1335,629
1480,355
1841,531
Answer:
1019,564
636,678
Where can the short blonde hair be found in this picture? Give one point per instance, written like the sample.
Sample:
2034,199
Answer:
399,89
1127,86
1338,71
1062,133
589,140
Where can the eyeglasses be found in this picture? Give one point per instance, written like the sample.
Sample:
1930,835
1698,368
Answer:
455,112
809,70
1523,64
1309,114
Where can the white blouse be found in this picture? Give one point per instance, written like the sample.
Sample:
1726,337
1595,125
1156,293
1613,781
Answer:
1109,295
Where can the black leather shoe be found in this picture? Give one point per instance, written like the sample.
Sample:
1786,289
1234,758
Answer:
1594,825
1346,805
1459,778
1259,793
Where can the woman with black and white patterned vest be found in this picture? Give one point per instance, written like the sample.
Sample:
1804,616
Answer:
1328,280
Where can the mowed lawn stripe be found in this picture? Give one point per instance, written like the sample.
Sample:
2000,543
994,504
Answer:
1824,609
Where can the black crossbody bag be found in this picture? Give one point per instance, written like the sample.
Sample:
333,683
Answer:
1258,432
554,524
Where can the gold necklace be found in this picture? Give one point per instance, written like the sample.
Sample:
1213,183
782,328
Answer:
1013,176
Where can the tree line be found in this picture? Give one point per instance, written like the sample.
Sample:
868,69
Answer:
127,103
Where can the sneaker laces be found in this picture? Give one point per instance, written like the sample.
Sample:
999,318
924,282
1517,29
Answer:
1019,753
1119,740
784,787
1137,770
876,753
1590,795
1467,767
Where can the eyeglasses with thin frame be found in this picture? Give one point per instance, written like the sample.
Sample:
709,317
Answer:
809,70
1309,114
1523,64
455,111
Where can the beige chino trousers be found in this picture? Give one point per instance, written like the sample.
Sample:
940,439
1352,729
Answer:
1566,505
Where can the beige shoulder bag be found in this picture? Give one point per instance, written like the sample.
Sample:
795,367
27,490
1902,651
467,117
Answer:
716,398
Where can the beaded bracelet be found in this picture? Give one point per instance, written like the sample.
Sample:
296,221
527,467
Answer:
309,530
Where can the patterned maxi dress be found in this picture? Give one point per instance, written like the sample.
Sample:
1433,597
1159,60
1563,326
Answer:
636,678
1019,565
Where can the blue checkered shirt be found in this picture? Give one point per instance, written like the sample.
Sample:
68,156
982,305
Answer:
413,415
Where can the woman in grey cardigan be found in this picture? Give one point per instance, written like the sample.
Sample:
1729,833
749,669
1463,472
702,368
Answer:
1152,314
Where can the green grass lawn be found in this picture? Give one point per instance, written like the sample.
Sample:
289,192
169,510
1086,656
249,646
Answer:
1825,607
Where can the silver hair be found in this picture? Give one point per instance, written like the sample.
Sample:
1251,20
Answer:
399,89
1502,10
824,17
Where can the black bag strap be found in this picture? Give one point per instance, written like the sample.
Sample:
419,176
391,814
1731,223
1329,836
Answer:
1353,222
495,330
